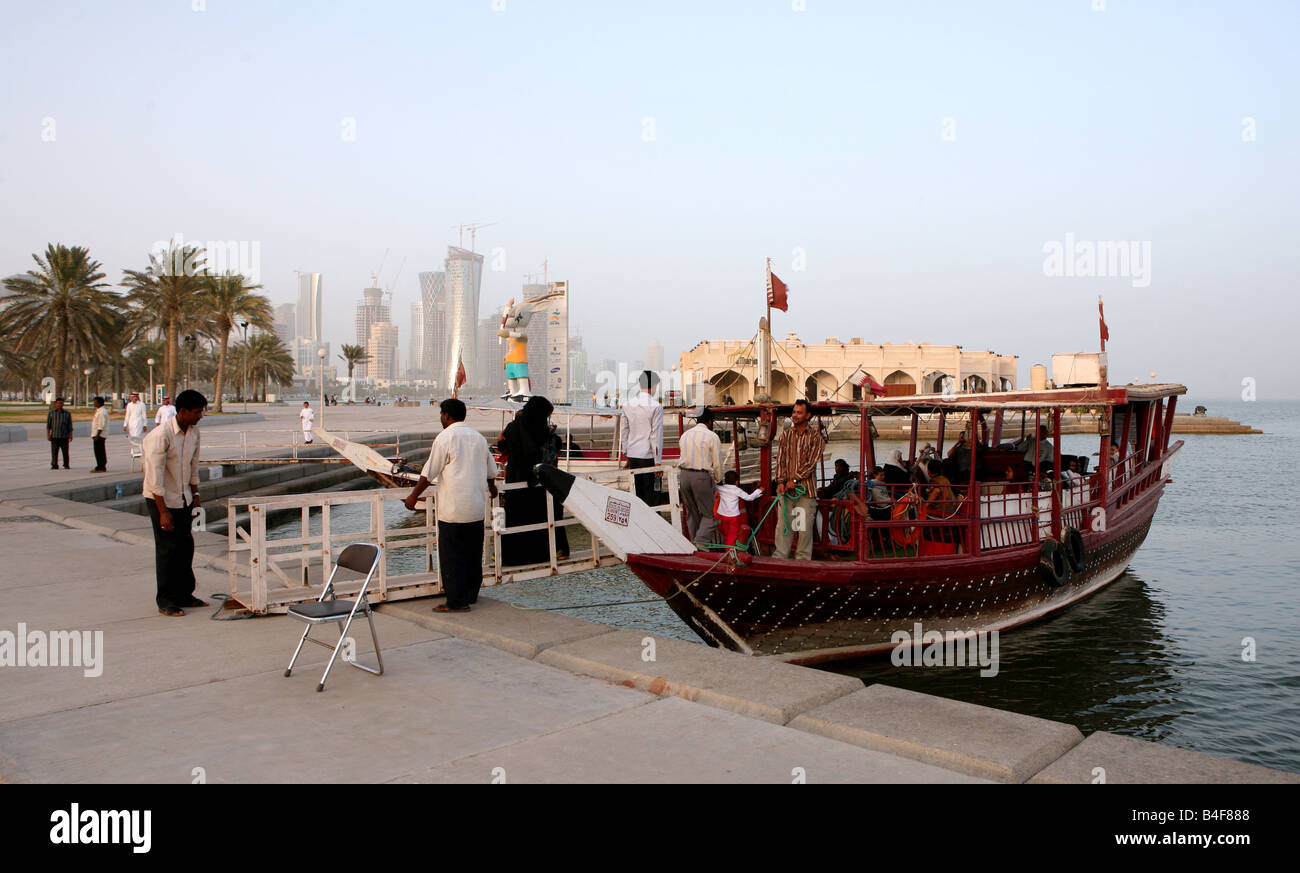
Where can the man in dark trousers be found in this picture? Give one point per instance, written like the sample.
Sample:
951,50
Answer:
58,430
171,492
99,436
642,435
462,463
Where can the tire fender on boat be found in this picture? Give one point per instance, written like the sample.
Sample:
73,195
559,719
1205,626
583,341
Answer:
1075,551
1052,564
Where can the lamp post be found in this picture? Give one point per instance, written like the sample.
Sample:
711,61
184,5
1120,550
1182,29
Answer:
86,372
190,344
243,325
149,394
320,353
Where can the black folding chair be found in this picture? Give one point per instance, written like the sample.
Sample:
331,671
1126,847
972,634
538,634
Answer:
360,558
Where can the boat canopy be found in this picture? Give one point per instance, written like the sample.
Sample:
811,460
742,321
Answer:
1113,395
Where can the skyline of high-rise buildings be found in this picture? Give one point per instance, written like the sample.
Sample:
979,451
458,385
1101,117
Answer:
439,333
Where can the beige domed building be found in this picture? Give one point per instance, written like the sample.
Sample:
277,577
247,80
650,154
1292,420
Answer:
833,370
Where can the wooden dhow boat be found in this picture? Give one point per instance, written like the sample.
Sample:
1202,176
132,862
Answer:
1023,533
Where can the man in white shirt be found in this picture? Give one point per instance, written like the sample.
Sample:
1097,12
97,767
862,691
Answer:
462,463
307,416
165,412
700,470
134,420
171,492
99,436
642,434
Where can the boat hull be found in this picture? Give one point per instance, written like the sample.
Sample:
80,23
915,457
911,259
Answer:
808,612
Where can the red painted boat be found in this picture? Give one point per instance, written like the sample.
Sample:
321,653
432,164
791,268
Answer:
1003,550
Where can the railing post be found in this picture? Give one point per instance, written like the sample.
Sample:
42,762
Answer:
674,497
257,556
381,531
550,529
325,539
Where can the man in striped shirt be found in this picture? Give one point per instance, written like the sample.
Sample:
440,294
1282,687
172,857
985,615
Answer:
797,456
701,468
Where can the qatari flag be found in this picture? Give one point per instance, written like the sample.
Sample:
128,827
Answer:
776,291
876,389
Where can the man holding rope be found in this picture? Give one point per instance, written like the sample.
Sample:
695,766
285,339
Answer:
797,456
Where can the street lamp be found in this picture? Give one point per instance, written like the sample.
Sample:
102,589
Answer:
149,394
243,325
87,374
320,353
190,343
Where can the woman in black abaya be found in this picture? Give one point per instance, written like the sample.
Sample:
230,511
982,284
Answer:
522,442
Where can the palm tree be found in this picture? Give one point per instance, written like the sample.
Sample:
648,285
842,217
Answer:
59,307
354,355
165,296
269,361
225,299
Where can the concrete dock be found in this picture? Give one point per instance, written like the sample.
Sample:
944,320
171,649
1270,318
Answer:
496,694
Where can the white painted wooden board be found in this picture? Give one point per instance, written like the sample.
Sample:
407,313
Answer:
623,523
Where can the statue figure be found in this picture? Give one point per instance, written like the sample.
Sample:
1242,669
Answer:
514,321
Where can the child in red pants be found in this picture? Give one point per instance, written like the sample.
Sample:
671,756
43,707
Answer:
726,505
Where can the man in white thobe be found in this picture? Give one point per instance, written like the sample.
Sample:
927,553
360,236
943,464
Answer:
134,422
307,416
165,412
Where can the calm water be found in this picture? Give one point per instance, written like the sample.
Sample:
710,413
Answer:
1157,654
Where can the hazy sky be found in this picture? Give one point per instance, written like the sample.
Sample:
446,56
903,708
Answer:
920,155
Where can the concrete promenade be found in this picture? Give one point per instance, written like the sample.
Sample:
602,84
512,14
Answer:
498,693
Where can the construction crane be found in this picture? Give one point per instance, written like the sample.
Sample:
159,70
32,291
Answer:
473,232
374,277
393,284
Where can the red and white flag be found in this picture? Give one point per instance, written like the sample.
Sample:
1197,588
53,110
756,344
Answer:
1105,331
876,389
460,376
776,291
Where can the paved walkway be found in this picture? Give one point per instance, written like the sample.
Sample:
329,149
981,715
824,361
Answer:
180,694
497,693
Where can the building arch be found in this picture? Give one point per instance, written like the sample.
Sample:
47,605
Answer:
730,382
899,384
782,387
932,383
974,384
818,382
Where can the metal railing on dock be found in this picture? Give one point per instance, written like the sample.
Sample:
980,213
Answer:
283,571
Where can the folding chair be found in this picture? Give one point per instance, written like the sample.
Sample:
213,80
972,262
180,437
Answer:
360,558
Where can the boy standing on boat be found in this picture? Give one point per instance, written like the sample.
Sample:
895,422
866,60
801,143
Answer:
797,456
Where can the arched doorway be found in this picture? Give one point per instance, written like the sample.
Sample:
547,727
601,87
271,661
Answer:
899,384
820,383
729,382
782,387
933,382
1006,384
974,385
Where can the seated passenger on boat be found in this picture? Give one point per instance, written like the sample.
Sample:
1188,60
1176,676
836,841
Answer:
1044,451
1006,486
896,472
939,497
843,476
